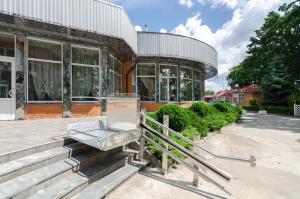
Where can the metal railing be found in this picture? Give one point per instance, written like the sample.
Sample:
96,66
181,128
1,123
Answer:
251,160
192,155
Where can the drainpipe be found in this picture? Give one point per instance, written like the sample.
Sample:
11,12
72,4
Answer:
127,74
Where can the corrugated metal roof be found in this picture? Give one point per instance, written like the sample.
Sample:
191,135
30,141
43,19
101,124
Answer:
177,46
88,15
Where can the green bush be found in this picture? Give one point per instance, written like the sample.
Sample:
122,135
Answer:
200,108
223,107
253,102
280,110
212,110
178,116
198,123
252,108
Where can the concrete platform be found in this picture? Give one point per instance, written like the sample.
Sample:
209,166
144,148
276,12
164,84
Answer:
17,135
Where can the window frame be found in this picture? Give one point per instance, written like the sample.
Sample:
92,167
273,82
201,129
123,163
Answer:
168,80
47,61
137,76
85,65
192,79
115,59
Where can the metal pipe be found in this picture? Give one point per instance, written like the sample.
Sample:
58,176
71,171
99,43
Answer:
186,152
251,160
207,178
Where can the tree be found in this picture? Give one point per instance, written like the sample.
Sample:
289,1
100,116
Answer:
278,37
276,84
209,92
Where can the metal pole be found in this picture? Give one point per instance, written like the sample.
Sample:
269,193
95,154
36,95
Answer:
196,176
165,155
142,139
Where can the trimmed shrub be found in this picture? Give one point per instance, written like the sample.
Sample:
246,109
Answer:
212,110
198,123
200,108
223,107
178,116
252,108
280,110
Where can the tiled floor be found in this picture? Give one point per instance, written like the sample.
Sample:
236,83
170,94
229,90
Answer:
16,135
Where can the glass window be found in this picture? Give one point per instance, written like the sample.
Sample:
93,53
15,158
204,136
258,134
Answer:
146,81
146,88
197,85
186,84
7,45
146,70
85,82
44,81
168,83
44,50
85,74
45,74
5,79
197,90
115,75
166,70
85,56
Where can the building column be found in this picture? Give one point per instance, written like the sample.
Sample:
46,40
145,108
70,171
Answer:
20,92
157,80
67,102
104,78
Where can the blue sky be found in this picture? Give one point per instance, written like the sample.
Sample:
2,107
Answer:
225,24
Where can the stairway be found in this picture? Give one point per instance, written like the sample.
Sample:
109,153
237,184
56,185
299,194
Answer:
63,169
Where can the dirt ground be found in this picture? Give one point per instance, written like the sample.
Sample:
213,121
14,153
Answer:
273,140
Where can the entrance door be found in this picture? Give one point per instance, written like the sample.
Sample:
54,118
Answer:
7,89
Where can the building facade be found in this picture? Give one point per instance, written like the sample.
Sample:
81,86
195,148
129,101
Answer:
239,96
59,57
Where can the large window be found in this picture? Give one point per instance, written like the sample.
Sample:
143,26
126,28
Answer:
85,74
197,85
7,45
44,71
114,75
186,84
146,81
168,83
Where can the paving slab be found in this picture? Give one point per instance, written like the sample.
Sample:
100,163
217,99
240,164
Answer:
17,135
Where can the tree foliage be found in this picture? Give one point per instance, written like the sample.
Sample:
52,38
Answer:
275,47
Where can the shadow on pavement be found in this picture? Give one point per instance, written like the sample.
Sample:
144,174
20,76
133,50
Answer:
182,185
271,121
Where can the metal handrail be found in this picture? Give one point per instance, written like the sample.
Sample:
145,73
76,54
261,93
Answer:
251,160
186,152
207,178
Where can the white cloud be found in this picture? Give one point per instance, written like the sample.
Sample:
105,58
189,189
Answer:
232,38
218,3
138,28
187,3
162,30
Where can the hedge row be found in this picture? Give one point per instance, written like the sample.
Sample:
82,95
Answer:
197,120
272,109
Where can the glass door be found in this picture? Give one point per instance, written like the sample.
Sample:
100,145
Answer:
7,89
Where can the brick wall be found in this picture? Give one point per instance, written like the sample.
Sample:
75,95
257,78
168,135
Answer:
86,110
42,111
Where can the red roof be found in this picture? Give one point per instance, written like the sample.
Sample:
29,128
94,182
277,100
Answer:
252,88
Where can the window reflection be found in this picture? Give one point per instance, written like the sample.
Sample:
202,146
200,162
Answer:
85,74
44,71
186,84
168,83
146,81
7,45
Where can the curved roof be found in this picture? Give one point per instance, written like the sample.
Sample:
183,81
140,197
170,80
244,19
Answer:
152,44
87,15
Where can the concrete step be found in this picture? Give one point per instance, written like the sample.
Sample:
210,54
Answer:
31,150
17,167
24,185
105,185
72,184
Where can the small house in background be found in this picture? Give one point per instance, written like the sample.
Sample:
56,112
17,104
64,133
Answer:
240,96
